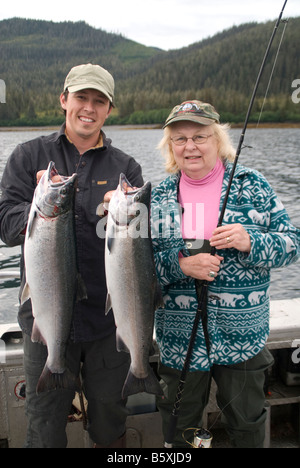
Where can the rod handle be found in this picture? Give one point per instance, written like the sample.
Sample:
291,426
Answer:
171,431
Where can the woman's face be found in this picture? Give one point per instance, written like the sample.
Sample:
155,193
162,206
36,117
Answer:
195,157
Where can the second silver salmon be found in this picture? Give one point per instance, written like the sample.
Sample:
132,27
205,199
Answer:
133,291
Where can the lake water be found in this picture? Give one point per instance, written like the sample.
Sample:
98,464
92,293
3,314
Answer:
274,152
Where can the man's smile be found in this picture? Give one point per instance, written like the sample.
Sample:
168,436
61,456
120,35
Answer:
86,119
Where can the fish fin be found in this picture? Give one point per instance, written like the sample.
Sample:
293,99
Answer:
110,243
108,305
36,335
158,298
53,381
81,289
30,223
110,237
26,295
135,385
121,346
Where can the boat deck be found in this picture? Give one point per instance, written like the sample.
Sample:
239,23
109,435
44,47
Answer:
144,424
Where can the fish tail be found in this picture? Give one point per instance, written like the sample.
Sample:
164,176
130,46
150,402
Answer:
53,381
134,385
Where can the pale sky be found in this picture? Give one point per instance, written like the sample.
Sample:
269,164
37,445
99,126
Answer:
167,24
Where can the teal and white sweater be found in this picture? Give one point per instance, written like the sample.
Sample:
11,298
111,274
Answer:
238,300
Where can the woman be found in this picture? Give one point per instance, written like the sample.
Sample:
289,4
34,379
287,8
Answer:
256,236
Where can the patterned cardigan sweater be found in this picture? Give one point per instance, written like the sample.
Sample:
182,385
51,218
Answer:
238,300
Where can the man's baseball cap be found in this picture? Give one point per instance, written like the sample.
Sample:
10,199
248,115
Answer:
194,111
90,77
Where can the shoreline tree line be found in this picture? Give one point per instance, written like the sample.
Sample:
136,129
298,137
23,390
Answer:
35,57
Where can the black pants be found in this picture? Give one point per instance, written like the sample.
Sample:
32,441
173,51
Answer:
240,397
103,371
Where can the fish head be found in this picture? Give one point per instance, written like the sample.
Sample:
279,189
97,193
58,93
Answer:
55,198
125,205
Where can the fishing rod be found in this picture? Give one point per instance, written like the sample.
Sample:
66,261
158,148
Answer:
202,299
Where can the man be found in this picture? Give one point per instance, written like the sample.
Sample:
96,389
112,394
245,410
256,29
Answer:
80,146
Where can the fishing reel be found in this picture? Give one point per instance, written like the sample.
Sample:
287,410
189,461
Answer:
202,437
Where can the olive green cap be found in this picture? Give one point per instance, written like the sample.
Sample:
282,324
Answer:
194,111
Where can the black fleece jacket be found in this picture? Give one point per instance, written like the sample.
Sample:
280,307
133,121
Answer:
98,172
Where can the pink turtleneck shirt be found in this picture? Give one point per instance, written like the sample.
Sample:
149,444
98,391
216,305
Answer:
200,200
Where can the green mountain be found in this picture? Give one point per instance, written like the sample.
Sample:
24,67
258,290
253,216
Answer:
35,57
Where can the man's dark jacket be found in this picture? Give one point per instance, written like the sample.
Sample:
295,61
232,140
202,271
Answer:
98,172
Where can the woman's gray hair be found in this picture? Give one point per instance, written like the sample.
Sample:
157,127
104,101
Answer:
226,150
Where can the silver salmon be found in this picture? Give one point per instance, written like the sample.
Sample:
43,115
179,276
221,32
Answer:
133,291
52,280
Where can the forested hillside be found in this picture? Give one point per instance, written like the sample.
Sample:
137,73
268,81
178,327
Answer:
35,57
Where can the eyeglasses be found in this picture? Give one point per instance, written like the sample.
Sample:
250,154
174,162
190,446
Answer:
197,139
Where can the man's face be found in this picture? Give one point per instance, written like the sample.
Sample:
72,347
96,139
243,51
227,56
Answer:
86,112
